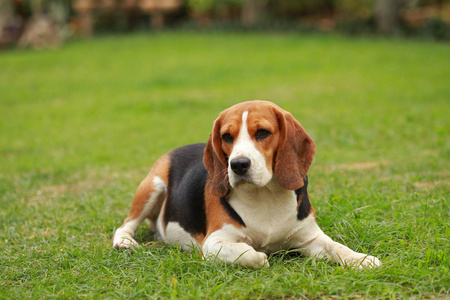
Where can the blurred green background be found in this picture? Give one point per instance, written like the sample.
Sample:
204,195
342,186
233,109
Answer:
44,23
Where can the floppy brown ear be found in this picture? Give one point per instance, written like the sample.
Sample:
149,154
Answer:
295,152
215,162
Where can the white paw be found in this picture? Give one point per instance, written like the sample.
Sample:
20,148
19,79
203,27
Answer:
255,260
124,243
369,261
362,261
234,253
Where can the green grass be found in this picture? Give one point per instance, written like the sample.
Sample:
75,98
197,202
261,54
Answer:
81,125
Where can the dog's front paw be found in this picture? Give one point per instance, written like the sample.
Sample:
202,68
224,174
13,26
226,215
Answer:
362,261
255,260
234,253
121,243
369,261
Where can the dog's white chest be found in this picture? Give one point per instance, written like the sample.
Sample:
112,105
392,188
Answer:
270,217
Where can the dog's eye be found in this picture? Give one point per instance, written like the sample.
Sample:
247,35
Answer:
262,134
227,138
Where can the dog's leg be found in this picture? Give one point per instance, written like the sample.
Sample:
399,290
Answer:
311,240
224,245
146,204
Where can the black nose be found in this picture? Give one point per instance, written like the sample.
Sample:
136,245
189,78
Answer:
240,165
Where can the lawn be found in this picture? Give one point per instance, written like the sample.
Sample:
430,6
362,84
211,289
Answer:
81,125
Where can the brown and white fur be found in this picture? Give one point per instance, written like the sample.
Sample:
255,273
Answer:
239,197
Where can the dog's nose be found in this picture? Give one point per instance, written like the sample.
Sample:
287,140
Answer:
240,165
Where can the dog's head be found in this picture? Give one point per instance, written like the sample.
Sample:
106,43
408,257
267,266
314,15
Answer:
254,141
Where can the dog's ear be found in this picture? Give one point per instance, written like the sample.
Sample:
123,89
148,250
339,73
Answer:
216,163
295,152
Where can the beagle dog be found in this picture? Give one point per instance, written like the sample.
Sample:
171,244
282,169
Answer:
240,196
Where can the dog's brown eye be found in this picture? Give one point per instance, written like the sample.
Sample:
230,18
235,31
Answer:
262,134
227,138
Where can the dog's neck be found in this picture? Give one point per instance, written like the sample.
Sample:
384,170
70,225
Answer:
246,191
